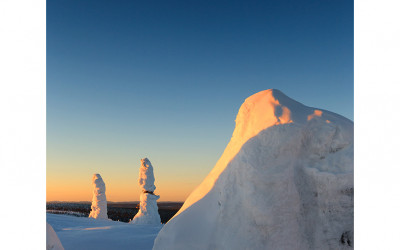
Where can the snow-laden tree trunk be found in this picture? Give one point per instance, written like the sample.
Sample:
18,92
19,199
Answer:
99,202
148,212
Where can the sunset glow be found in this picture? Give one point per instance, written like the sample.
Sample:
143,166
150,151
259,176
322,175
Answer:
119,188
166,80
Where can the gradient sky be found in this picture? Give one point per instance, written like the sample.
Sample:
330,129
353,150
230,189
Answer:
165,79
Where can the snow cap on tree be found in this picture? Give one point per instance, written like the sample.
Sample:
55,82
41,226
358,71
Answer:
146,176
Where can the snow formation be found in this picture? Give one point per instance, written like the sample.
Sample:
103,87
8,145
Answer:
99,202
148,212
52,240
285,181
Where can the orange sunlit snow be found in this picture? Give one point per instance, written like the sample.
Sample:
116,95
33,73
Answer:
316,113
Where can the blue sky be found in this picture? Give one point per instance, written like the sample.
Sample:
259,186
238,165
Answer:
165,79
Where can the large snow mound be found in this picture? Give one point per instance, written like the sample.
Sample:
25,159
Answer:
285,181
52,240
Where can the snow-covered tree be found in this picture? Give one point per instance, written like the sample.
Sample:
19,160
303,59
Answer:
99,202
148,212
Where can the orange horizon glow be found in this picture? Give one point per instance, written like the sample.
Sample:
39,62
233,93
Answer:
116,191
119,188
70,179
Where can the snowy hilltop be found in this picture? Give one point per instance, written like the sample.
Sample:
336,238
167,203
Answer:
148,212
99,202
284,181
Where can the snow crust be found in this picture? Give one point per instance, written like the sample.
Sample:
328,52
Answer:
148,212
285,181
52,240
99,202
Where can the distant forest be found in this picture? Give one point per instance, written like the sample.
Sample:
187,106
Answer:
117,211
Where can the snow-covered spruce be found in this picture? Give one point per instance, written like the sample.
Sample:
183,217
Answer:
52,240
148,212
99,202
285,181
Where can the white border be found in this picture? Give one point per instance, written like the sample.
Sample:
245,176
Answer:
23,124
377,124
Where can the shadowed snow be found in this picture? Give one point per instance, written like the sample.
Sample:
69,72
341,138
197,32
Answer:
52,240
79,233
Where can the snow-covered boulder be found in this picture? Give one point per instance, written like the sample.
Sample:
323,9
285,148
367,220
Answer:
99,202
52,240
148,212
285,181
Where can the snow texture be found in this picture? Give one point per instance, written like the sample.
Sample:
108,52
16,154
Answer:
99,202
79,233
285,181
52,240
148,212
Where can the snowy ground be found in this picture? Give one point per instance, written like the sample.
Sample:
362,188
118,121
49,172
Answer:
87,233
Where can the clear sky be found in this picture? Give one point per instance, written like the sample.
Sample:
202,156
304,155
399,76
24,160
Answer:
165,79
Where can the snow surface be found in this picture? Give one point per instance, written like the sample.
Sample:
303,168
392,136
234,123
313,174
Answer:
285,181
52,240
99,202
148,212
76,233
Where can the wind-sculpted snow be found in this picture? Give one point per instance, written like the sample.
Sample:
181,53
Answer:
148,212
52,240
99,202
285,181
